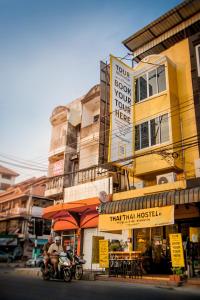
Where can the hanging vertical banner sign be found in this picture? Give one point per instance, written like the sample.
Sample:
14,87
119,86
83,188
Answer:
176,249
121,144
103,254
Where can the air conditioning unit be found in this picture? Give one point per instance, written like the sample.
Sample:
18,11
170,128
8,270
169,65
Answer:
166,178
139,184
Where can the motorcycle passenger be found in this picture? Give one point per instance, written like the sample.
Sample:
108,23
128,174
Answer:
45,252
69,252
54,250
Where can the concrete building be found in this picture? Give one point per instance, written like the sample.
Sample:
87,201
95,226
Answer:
18,205
7,178
74,214
165,171
166,126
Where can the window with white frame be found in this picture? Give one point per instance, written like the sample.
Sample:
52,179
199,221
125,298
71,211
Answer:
150,83
198,59
152,132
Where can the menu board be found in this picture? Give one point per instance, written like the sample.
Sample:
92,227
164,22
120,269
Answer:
95,248
103,254
176,248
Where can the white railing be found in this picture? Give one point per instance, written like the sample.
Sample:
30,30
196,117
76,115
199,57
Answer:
54,186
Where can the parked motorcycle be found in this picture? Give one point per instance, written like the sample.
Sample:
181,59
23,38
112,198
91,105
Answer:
77,265
64,269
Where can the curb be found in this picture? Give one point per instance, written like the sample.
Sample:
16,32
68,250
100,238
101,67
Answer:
28,272
35,272
157,282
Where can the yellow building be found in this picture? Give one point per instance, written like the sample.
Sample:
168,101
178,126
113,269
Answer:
166,163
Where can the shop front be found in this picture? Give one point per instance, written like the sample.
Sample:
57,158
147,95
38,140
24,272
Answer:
77,224
152,219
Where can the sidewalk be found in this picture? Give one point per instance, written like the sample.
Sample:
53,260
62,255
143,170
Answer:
156,280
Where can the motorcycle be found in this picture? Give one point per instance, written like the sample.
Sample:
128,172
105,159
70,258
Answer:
64,269
77,265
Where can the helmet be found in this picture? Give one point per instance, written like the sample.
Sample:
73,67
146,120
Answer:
57,238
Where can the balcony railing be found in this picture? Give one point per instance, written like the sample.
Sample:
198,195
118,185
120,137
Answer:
17,211
54,186
85,175
90,130
57,143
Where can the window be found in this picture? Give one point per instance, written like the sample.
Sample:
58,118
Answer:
6,176
151,83
96,119
161,79
198,59
152,132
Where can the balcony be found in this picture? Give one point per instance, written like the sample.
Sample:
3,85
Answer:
57,146
90,134
54,186
17,211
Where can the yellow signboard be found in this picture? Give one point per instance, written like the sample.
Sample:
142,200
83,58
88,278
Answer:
95,248
103,254
176,248
143,218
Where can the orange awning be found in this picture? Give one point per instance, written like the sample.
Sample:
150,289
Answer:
65,224
80,206
89,220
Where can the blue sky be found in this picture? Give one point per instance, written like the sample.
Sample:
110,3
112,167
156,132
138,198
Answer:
49,55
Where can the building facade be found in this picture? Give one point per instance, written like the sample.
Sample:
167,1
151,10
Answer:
7,178
166,128
18,205
74,215
165,170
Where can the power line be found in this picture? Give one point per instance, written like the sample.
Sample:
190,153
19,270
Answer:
22,166
22,161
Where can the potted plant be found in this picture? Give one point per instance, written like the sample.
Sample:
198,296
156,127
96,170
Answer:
177,274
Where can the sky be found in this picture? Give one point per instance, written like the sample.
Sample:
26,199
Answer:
49,55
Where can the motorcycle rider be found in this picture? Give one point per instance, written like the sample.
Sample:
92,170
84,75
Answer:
54,250
45,252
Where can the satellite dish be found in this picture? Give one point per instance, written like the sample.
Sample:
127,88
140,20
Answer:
103,197
162,180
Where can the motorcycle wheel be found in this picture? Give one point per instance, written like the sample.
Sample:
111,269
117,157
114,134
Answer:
67,275
44,276
78,272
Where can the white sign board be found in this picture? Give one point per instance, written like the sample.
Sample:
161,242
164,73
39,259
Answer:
88,190
121,142
37,211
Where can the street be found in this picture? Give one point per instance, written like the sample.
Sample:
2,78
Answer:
32,288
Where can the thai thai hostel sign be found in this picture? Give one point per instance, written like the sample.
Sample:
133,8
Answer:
176,248
143,218
121,111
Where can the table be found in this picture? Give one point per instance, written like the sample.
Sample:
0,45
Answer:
125,264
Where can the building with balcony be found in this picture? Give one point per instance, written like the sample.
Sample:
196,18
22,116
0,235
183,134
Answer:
74,215
7,178
19,204
163,180
166,162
